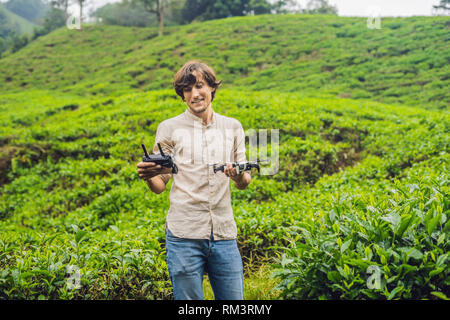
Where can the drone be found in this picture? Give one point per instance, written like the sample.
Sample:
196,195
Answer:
240,166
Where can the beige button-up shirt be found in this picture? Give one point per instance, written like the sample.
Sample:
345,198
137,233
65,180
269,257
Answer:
200,200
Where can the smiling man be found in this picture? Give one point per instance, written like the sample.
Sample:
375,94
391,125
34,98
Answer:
200,227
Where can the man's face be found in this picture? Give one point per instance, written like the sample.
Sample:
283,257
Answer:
198,96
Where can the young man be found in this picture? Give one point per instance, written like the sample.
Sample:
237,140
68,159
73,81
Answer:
200,227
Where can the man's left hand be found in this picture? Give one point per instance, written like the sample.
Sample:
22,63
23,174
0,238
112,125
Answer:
230,171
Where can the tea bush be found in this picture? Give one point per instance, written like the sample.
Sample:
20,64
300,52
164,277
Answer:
369,190
389,243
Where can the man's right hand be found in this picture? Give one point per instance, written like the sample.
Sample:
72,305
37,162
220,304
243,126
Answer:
148,170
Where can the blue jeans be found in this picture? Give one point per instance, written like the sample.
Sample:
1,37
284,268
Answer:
188,259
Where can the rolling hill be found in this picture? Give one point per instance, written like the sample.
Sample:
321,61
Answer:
405,62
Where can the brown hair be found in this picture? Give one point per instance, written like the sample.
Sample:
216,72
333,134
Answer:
184,77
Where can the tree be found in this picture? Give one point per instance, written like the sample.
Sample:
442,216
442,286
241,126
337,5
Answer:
54,19
157,7
9,32
81,3
191,10
286,6
320,7
174,14
129,13
218,9
123,14
444,6
201,10
18,42
5,28
62,5
259,7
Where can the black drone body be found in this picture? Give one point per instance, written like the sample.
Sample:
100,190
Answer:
240,167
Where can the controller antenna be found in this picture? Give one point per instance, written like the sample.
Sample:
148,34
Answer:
145,150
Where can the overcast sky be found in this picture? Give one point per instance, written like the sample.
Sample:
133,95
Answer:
361,8
386,7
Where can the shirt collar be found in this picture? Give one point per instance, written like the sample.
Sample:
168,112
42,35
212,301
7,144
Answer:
190,116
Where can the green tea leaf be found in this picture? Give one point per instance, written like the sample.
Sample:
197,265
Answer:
404,224
80,236
441,260
395,292
345,245
447,226
362,264
433,222
415,254
435,272
334,276
394,219
440,295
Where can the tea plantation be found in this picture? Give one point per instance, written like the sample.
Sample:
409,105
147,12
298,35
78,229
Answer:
357,210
